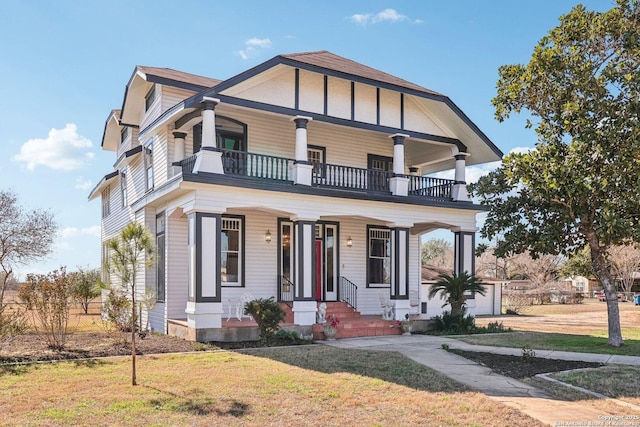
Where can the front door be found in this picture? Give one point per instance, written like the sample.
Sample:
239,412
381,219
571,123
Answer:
326,262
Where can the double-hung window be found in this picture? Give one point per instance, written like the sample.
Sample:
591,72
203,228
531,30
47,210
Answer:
148,166
232,251
379,254
106,202
316,156
149,98
160,257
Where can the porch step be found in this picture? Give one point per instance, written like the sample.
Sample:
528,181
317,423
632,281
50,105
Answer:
342,310
361,326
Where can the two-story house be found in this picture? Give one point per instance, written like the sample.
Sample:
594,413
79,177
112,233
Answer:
305,178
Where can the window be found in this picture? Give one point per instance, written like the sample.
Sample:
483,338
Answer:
106,202
149,98
379,168
197,138
123,188
160,258
124,133
379,254
317,157
231,251
105,272
148,167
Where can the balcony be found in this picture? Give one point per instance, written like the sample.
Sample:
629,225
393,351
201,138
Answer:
272,168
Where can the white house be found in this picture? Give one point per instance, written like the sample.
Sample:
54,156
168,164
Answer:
305,178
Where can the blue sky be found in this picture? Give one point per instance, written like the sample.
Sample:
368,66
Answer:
65,65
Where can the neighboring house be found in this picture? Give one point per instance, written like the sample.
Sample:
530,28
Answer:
489,304
304,178
587,287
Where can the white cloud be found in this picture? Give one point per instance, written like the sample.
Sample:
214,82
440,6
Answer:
82,184
70,232
63,149
252,47
387,15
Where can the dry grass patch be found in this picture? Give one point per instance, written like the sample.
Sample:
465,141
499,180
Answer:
619,382
230,388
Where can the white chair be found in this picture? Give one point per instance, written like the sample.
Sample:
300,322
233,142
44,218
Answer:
244,298
387,307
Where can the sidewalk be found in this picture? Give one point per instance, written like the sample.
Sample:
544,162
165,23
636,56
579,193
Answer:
427,350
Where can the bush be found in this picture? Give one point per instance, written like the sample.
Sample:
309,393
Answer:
48,297
454,324
12,323
116,313
85,287
267,313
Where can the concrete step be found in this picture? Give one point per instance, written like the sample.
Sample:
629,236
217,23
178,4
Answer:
363,326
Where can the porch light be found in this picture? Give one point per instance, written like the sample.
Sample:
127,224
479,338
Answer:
267,237
349,242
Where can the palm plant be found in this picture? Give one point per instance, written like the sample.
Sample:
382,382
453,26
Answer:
453,289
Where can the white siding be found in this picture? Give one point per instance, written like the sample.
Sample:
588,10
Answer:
416,119
177,266
365,108
311,92
172,96
275,87
339,98
389,108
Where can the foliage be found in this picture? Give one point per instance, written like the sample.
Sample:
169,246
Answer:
131,251
286,336
452,324
625,263
454,290
85,286
48,297
580,185
116,312
528,354
333,320
436,252
578,264
12,323
25,236
267,313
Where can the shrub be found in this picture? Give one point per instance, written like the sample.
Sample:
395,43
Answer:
48,297
448,323
85,287
12,323
116,312
283,335
267,313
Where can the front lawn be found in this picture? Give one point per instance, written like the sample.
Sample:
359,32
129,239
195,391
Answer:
311,386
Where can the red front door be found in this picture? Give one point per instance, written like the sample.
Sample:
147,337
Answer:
319,295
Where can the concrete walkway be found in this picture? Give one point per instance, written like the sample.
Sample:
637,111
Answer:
427,350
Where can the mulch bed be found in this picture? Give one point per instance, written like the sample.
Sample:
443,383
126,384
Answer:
519,367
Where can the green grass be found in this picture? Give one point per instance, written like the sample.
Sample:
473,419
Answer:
311,386
620,382
560,342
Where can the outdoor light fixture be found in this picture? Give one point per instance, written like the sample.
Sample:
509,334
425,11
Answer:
267,237
349,242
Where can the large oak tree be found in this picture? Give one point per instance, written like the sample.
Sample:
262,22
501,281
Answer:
580,186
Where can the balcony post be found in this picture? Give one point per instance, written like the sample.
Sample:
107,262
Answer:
304,247
209,158
464,260
399,271
178,150
459,191
301,170
399,184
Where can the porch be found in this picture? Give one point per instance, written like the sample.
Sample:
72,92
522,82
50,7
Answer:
262,167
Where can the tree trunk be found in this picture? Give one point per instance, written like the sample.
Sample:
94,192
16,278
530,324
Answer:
133,335
601,268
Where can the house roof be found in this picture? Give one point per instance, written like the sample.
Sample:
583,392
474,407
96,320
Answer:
330,61
176,76
109,137
430,274
104,182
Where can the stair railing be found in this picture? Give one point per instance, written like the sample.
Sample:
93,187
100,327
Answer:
285,291
348,292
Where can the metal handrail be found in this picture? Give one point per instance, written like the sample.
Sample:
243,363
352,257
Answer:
285,291
348,292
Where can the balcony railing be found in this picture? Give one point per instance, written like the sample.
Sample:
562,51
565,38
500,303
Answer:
240,163
255,165
433,188
327,175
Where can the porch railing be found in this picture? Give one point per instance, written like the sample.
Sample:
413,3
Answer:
337,176
255,165
285,291
348,292
187,164
433,188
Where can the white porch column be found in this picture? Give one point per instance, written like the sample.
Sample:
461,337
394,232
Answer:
400,271
178,149
465,260
304,265
204,304
399,184
301,170
459,192
209,158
